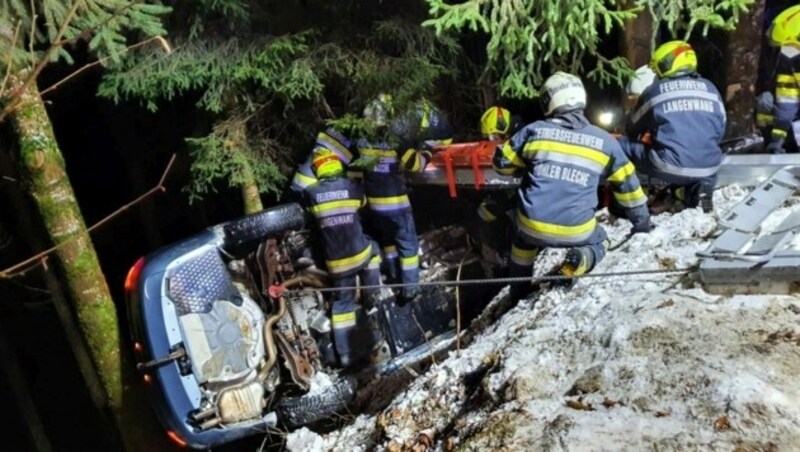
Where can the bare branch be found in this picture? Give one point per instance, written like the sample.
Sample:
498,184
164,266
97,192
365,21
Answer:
32,35
162,42
458,299
14,270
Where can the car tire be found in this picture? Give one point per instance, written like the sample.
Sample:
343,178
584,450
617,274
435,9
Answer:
262,224
295,412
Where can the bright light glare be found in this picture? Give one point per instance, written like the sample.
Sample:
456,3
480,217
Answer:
605,118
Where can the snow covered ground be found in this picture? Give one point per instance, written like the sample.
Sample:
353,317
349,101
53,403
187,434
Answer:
647,362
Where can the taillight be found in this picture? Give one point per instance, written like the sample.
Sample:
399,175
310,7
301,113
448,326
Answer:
176,439
133,275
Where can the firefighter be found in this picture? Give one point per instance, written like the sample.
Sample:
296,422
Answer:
396,147
785,32
684,115
334,201
497,124
562,160
331,140
422,126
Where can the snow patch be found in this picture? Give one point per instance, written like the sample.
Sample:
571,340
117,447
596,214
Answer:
617,363
319,383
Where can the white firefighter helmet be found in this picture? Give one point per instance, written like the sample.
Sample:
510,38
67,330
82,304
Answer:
642,78
562,92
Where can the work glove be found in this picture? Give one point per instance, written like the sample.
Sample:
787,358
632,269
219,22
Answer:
776,146
640,218
642,226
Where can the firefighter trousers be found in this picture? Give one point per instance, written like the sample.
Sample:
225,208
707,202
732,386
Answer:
350,332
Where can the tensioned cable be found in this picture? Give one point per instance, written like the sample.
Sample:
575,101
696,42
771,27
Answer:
509,280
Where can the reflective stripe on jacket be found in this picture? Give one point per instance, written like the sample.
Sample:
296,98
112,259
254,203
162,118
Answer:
685,117
335,202
787,90
384,181
562,160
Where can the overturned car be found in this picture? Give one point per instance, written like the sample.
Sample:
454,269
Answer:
232,335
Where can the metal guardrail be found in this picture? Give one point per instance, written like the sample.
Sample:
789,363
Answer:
744,258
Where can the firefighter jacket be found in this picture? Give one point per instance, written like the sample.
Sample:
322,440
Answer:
562,160
787,91
685,117
423,126
329,139
384,178
335,202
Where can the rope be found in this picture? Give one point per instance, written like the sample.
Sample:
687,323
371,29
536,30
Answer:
503,281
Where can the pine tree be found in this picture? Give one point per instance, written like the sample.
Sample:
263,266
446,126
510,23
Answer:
529,39
34,34
273,73
741,76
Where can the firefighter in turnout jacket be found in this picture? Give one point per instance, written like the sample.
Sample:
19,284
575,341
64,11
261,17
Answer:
785,32
496,124
423,126
562,160
335,201
685,118
388,158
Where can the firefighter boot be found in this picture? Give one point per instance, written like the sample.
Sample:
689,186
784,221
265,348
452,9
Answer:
700,194
577,262
353,342
706,197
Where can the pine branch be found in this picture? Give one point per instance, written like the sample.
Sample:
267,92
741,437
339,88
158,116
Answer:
524,45
162,42
111,23
9,57
16,96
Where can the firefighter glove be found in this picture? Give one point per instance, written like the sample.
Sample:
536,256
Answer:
642,226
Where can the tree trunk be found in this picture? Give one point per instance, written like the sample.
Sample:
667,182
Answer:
250,193
741,74
31,231
42,165
635,41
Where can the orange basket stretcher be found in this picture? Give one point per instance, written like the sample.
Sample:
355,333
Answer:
476,155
